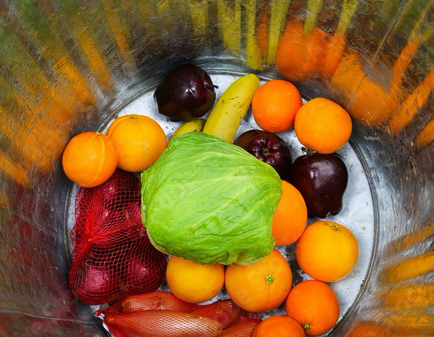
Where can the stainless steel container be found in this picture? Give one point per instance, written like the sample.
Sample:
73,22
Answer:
69,66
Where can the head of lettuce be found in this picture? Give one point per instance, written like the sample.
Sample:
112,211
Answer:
210,201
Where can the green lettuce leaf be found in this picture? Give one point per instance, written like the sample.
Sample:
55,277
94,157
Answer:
210,201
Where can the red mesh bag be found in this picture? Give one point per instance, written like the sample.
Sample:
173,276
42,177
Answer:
133,315
162,323
112,256
243,329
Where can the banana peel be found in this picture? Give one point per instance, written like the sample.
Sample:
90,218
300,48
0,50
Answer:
226,116
195,125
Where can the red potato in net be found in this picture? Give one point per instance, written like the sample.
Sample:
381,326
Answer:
158,300
158,323
243,329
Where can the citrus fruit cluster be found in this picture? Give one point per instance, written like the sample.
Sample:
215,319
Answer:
325,251
321,125
133,143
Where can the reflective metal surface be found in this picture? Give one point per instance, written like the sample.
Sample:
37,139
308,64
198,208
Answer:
66,66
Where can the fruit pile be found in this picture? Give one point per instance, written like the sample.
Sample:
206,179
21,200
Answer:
313,185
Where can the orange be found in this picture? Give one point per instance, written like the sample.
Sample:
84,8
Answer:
193,282
327,251
314,305
139,141
89,159
262,286
323,126
275,105
290,218
282,326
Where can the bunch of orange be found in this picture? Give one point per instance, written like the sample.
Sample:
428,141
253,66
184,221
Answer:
320,124
133,143
311,309
326,251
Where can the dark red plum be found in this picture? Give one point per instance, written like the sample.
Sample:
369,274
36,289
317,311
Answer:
269,148
322,180
186,93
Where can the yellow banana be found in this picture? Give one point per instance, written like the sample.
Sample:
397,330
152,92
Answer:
229,111
192,126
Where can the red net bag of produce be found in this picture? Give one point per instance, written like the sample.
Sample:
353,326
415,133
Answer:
133,316
112,256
